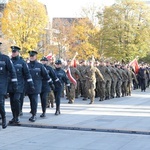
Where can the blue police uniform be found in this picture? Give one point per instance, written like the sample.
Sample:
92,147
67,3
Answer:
61,74
46,87
6,70
38,73
23,75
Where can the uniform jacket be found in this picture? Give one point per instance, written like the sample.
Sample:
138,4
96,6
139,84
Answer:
38,73
6,70
52,74
23,74
61,74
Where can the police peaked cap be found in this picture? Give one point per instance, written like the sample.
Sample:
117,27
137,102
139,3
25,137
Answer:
15,48
58,62
44,59
32,53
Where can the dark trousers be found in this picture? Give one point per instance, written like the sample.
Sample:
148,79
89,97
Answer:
43,97
33,103
2,106
15,103
21,101
57,95
143,84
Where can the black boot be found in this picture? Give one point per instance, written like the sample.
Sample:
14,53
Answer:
32,118
4,124
42,115
17,121
21,113
57,110
12,121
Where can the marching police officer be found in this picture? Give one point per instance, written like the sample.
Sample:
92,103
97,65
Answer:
61,74
6,70
23,75
38,72
46,87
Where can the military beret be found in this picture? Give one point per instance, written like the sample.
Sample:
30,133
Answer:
58,62
44,59
15,48
32,53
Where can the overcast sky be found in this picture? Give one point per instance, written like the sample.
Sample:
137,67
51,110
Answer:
71,8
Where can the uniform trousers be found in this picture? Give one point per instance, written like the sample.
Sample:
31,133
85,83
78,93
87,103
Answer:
15,103
33,103
57,95
2,106
43,97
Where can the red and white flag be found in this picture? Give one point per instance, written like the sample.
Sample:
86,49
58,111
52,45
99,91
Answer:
49,56
71,78
74,63
135,65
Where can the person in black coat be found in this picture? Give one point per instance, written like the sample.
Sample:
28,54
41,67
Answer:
47,87
142,77
38,73
23,75
6,70
61,74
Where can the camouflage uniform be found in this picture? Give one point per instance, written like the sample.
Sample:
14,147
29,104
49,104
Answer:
132,77
50,99
125,80
108,79
90,83
50,96
78,87
82,80
119,82
71,94
101,86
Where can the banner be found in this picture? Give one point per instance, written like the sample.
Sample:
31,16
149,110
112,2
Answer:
49,56
74,63
135,65
72,80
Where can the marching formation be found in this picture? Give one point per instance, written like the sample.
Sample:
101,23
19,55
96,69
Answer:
53,80
107,80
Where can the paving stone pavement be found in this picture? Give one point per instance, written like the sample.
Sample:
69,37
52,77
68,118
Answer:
117,124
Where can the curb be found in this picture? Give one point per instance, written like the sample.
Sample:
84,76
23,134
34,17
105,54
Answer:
84,129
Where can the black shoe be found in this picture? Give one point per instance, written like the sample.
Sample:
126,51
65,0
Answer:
52,105
101,99
4,124
32,119
17,121
70,102
57,112
42,115
118,96
112,97
12,121
47,106
84,99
